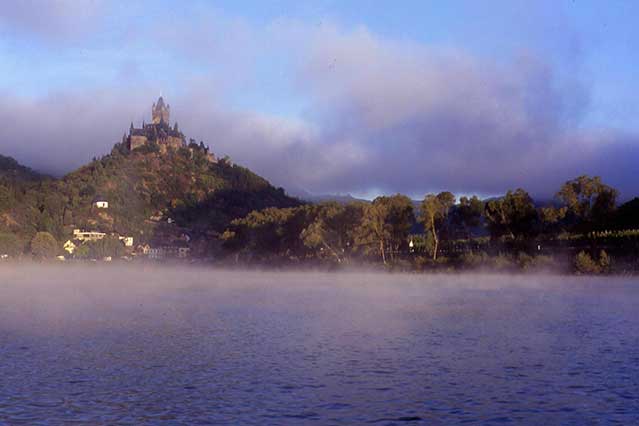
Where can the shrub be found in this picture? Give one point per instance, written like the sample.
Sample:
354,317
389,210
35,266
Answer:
525,261
536,263
44,246
545,263
604,261
585,264
473,260
502,262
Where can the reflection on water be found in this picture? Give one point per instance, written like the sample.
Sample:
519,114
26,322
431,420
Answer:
106,346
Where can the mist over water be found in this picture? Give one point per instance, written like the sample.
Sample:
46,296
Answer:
105,345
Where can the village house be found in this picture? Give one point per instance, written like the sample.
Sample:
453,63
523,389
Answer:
173,251
87,235
100,203
127,241
80,237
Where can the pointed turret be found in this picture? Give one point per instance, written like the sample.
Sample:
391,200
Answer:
160,112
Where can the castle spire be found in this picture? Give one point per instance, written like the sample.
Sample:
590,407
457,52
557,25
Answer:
160,111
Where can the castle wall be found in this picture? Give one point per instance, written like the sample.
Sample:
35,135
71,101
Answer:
137,141
173,142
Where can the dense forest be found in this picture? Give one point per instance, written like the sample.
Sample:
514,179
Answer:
231,215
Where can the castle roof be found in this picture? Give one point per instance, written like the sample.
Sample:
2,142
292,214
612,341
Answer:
138,132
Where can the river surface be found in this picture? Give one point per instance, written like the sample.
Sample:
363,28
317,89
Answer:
102,346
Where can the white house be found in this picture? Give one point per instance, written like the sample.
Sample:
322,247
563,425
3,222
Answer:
128,241
100,203
88,235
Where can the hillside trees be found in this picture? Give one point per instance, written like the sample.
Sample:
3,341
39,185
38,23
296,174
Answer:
10,244
106,247
7,200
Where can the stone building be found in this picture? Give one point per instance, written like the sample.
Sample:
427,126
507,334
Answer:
158,131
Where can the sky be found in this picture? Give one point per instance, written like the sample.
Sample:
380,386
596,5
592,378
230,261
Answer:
333,96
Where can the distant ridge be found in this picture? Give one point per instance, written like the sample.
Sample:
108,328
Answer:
10,169
319,198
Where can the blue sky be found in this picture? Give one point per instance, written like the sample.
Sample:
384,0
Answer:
337,96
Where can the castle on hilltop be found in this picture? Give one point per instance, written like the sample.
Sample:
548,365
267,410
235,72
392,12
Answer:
158,131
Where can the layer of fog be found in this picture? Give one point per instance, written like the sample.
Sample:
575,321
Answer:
62,299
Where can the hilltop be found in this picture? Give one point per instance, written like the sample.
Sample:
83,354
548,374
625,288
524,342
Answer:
152,187
144,188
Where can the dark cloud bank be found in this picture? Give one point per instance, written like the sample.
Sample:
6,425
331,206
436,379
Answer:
381,115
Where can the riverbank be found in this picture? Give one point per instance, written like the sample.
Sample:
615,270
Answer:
521,263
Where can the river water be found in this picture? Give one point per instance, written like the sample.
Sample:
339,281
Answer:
194,346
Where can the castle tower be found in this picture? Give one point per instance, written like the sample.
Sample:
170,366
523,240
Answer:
160,112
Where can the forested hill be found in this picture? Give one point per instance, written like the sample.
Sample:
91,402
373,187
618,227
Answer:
151,195
11,170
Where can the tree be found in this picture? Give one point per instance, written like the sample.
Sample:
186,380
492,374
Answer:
268,233
106,247
512,215
467,214
44,246
10,244
6,198
82,252
434,213
331,228
386,223
590,202
551,217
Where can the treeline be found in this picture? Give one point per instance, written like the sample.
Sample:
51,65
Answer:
442,232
